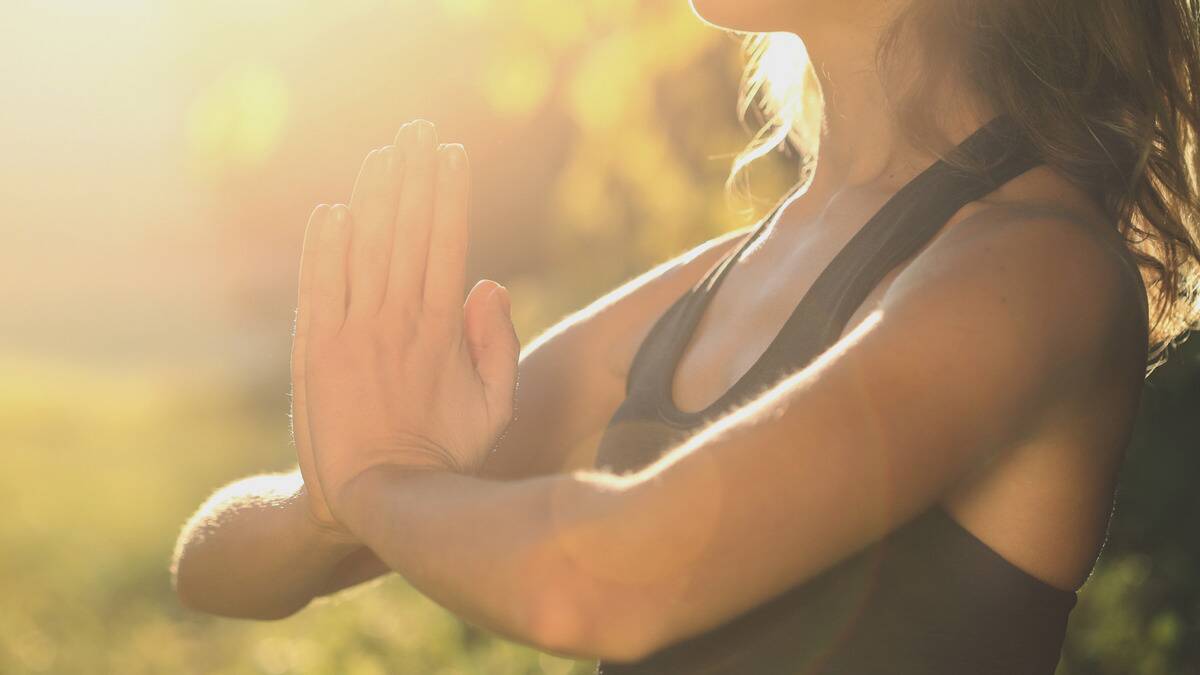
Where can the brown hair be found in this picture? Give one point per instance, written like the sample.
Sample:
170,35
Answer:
1108,91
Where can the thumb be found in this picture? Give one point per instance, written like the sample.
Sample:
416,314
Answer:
493,343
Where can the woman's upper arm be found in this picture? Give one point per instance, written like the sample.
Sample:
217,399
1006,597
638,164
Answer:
976,344
572,377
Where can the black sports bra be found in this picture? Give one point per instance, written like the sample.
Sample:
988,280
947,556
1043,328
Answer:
928,599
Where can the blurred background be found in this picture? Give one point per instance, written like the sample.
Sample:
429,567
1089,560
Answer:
157,164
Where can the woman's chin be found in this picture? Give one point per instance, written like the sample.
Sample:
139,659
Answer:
752,16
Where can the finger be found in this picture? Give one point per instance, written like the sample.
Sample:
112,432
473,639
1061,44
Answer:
308,259
301,436
329,282
400,135
445,269
410,246
493,343
373,207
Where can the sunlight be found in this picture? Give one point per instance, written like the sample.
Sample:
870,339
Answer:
518,84
91,8
782,65
238,120
782,81
465,8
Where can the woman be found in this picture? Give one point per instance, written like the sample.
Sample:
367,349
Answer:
878,432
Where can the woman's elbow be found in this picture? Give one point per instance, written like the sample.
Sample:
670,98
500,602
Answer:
575,617
195,590
589,604
199,601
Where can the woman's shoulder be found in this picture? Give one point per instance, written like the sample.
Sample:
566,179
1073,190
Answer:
1065,267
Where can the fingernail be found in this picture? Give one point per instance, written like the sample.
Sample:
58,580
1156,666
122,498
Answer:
503,291
394,158
425,132
401,134
410,132
456,155
339,214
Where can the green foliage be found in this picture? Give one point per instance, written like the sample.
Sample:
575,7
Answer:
1139,613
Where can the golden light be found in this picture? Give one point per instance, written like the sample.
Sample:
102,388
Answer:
238,120
782,78
516,85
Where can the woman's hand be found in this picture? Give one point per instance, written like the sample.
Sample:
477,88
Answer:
398,370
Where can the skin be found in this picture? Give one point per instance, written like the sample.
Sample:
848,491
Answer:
406,397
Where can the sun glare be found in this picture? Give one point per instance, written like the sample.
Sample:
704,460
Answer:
238,120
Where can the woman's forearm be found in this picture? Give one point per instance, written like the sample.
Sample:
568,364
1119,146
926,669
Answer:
502,555
253,551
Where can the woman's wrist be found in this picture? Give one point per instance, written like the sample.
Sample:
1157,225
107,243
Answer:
332,536
359,497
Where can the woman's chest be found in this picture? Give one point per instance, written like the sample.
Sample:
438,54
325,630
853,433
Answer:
759,301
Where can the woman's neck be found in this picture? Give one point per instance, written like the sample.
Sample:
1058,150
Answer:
861,145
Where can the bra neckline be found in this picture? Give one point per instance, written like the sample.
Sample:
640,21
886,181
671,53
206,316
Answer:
999,129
